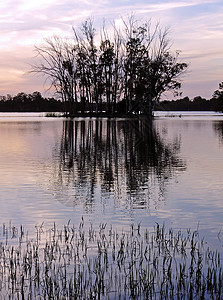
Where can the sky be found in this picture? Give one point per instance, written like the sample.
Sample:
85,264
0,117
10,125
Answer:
195,28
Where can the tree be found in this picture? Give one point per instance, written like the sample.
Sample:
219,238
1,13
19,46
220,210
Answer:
150,67
57,63
134,64
217,98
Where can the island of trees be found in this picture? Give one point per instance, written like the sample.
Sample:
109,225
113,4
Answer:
123,71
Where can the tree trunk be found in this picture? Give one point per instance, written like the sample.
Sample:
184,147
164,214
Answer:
147,109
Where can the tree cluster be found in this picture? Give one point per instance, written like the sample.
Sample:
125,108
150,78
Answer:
123,71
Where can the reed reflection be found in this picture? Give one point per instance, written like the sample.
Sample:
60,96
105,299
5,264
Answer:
126,160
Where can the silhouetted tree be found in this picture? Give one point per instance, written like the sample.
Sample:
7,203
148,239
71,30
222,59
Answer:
217,98
58,64
150,68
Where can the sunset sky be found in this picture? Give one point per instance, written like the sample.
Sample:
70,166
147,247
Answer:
196,28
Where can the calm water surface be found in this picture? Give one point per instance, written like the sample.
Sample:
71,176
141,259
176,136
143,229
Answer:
113,171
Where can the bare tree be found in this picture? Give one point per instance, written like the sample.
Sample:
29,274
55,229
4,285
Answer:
57,63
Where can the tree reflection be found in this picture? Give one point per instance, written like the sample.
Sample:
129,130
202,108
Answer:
122,159
218,126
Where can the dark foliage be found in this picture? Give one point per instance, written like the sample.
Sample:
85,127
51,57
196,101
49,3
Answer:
197,104
30,103
34,102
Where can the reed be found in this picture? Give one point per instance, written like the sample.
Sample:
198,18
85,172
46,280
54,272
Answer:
104,263
53,115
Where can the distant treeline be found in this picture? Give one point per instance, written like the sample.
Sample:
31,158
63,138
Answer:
29,103
197,104
35,102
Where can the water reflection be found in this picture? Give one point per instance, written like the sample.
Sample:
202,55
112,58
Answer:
126,160
218,126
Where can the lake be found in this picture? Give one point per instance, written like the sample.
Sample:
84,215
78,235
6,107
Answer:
117,171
